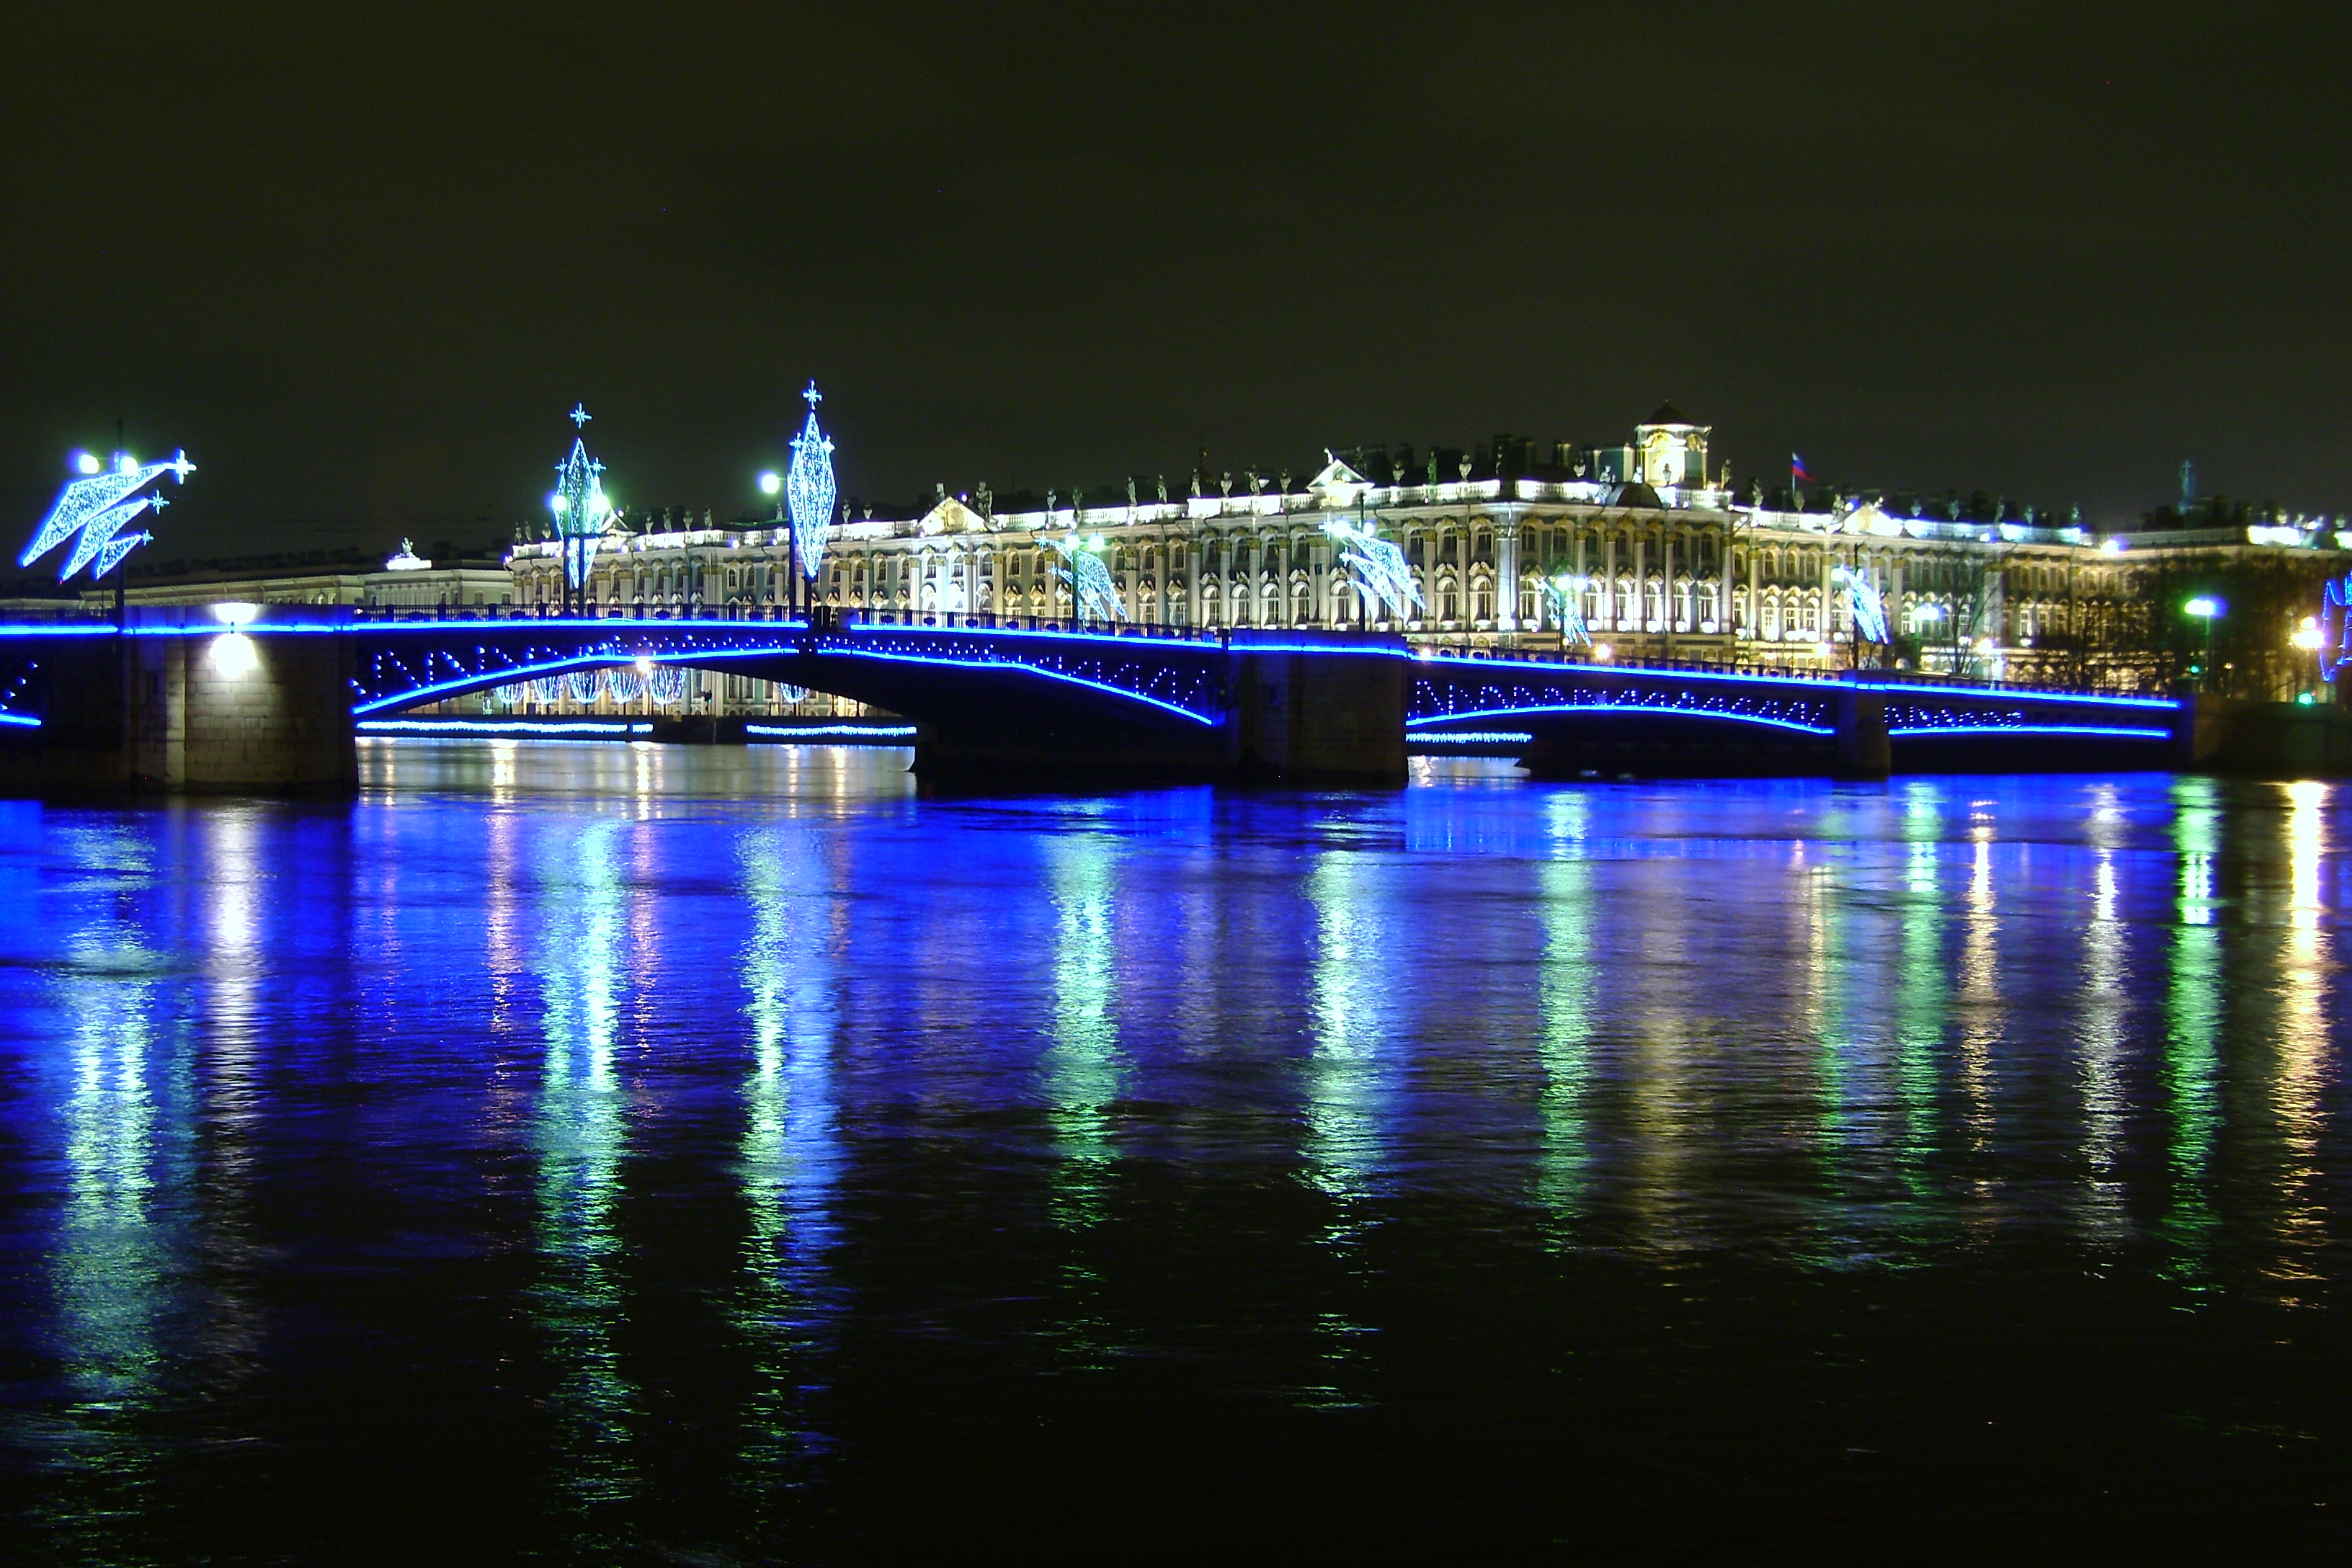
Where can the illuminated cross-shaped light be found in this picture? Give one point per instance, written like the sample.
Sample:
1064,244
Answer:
814,396
580,415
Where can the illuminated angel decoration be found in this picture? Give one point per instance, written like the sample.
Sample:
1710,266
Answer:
1091,588
582,512
96,506
809,488
1565,598
1378,567
1863,601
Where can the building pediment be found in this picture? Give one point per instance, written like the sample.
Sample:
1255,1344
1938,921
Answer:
951,516
1338,485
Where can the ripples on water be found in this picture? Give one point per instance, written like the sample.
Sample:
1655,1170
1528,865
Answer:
611,1153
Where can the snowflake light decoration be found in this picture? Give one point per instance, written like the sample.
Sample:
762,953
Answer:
582,512
1091,588
1863,600
1565,598
1378,566
809,488
95,507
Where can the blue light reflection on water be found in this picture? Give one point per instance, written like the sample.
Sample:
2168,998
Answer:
731,1083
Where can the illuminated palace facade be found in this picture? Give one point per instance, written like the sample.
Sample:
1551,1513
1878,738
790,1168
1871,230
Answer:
1644,546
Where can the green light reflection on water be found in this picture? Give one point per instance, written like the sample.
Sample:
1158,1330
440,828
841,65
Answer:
581,1134
791,1156
1923,987
1567,999
2192,1062
121,1250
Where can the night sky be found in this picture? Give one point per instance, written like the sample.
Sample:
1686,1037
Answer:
359,260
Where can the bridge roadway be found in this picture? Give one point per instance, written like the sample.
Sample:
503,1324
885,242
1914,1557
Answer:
179,699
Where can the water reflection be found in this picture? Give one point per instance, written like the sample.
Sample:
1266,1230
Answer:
581,1136
1267,1094
1569,986
2192,1060
791,1155
2303,1028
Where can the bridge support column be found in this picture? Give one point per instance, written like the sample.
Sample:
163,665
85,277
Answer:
1318,707
232,711
1862,752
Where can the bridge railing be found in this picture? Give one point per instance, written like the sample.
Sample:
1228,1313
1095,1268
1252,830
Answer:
1775,671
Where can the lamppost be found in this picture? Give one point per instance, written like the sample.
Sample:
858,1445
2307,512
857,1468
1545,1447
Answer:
1924,616
2209,609
772,483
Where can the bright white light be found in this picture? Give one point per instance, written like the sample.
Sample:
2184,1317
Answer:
233,654
644,664
235,615
1604,652
771,484
2203,607
124,463
83,463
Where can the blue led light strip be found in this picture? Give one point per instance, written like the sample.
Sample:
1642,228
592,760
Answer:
1653,710
1498,669
1475,738
504,727
492,678
21,720
1013,665
860,732
2029,730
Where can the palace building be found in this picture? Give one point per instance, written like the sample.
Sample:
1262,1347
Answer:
1635,551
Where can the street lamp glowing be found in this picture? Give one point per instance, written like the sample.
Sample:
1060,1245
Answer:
2204,607
2307,636
771,484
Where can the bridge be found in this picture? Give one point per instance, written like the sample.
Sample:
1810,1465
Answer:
268,697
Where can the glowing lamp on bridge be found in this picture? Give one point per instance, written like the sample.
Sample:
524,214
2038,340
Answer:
2204,607
233,655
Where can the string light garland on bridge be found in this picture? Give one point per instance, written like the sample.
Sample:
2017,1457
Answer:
97,506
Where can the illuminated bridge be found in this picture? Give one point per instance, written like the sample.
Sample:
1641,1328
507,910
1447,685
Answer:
1569,719
182,698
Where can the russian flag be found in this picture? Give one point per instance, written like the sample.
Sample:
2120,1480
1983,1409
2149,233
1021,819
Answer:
1797,469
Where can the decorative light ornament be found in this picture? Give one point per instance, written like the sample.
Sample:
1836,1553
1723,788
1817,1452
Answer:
1378,567
809,488
1863,601
96,506
1565,597
1092,591
582,514
666,684
2335,627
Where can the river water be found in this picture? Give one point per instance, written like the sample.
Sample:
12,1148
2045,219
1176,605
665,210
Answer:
599,1153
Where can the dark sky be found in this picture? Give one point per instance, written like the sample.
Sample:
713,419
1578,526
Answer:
360,258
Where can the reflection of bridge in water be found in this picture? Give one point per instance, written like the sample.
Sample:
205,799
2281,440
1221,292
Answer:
182,698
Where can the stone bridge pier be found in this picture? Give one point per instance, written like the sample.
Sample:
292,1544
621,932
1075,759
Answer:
186,701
